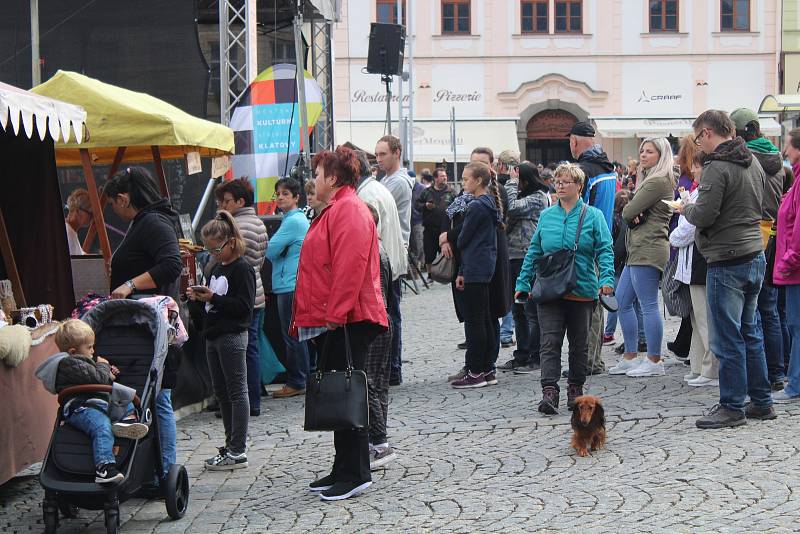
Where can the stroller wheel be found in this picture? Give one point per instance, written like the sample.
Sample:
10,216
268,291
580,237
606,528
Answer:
176,491
68,510
112,520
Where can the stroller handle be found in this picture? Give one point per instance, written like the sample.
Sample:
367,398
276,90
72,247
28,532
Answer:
71,391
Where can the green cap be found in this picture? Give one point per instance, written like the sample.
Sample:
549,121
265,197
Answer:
742,116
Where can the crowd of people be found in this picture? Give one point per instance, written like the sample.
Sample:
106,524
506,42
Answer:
537,254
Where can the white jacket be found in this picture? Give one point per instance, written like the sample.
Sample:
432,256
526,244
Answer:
682,238
378,196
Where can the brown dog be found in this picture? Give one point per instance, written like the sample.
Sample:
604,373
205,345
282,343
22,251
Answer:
588,425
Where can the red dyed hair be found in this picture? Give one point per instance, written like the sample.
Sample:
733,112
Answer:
343,164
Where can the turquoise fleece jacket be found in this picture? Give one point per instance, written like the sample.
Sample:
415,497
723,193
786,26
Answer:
556,230
284,251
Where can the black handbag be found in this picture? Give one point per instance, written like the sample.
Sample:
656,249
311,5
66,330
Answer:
769,253
556,276
337,399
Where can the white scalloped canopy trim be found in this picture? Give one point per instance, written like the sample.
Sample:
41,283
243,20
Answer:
21,110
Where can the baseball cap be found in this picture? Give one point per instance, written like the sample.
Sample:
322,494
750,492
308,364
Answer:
742,116
582,129
509,157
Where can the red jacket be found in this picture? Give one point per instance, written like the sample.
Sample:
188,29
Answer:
338,278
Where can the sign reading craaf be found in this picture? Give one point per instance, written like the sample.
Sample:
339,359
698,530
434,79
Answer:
645,98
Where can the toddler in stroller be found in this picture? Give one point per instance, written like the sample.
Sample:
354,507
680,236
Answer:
133,336
89,412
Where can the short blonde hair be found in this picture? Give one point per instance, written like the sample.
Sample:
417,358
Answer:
73,333
79,200
571,170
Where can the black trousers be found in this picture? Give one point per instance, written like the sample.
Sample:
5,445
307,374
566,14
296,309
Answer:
351,463
561,317
478,328
430,242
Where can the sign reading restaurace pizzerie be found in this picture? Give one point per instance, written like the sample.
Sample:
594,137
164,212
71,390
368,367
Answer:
360,96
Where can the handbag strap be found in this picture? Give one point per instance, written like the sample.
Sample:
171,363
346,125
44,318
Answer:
348,352
580,225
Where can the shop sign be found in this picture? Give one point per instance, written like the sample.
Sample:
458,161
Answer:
645,98
445,95
363,97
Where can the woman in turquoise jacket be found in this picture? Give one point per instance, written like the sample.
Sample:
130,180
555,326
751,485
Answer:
571,314
283,251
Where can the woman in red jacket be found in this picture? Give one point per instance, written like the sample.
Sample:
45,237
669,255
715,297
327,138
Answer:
338,287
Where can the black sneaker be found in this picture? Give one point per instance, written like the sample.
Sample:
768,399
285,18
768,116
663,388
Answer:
777,385
322,484
549,403
508,343
462,346
510,365
344,490
620,349
527,368
255,412
573,392
222,452
229,462
721,417
762,413
108,474
396,381
672,347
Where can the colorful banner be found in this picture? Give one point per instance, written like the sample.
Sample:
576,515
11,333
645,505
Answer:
266,126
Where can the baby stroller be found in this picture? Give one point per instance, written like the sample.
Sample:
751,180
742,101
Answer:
133,336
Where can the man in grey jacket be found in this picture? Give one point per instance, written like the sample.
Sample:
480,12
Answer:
727,214
389,152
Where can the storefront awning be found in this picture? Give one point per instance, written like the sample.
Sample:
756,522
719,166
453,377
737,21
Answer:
49,115
618,127
432,138
779,103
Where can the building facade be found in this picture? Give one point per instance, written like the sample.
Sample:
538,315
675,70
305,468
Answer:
519,73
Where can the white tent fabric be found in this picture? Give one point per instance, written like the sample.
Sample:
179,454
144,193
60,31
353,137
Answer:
619,127
57,118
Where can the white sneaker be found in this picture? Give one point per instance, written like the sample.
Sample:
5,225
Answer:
647,368
690,376
623,366
701,381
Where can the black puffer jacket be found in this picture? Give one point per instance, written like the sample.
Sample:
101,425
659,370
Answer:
79,370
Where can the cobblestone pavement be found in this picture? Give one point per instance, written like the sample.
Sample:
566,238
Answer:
483,460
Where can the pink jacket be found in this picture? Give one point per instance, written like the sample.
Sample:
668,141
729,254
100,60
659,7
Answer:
787,241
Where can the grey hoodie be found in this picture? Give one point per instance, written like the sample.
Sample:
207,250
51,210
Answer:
48,370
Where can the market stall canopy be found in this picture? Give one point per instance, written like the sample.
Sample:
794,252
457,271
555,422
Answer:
118,117
619,127
57,118
326,8
779,103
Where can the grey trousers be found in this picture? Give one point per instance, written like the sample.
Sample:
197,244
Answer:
226,357
377,367
596,329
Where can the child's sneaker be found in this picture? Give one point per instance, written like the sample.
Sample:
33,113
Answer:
108,474
227,462
129,430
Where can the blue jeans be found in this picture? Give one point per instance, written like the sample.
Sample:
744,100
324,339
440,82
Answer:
97,426
639,282
787,339
297,361
507,328
793,324
396,365
611,322
254,360
733,334
770,325
167,430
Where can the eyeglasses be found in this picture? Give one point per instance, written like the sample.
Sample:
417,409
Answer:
562,184
217,251
699,136
225,201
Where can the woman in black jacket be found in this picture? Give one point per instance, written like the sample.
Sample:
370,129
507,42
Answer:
147,261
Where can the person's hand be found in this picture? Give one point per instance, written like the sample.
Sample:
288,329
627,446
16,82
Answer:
606,290
332,326
680,208
122,292
447,250
636,219
100,359
442,238
114,370
199,293
429,205
460,283
519,294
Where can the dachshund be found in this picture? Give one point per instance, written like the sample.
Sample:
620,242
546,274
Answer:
588,425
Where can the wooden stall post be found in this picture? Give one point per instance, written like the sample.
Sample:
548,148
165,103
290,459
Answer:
92,231
97,208
11,264
162,179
